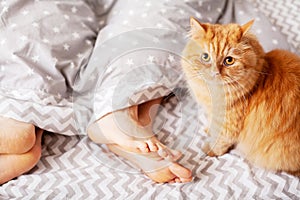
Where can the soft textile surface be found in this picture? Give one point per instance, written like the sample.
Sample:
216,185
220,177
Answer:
72,167
52,74
39,45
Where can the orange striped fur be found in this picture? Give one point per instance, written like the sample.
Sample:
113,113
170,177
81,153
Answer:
252,98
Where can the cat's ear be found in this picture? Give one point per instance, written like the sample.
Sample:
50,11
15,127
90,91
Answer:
246,27
196,26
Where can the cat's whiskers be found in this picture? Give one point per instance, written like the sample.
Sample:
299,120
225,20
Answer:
235,84
232,89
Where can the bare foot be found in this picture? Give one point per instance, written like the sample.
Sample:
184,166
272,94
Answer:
121,128
155,167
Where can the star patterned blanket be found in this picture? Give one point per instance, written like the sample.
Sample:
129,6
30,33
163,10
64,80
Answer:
65,64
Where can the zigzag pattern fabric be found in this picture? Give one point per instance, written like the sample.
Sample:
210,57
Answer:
72,167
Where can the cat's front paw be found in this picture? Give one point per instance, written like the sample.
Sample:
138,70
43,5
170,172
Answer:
213,150
208,150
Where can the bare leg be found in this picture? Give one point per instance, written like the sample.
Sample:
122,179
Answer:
21,151
15,137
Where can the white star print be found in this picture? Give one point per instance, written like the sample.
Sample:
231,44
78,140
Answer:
129,62
25,12
66,47
258,31
88,42
2,68
35,58
171,58
148,4
23,38
72,65
274,41
30,72
46,12
241,12
106,6
46,41
49,78
159,25
13,25
3,3
150,59
92,78
163,11
3,42
56,29
90,19
75,35
155,40
79,55
74,9
101,22
35,25
67,17
4,9
131,12
198,15
14,57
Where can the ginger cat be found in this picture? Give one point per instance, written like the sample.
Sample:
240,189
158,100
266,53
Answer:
252,97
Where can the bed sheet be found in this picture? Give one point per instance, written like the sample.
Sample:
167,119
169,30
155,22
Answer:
73,167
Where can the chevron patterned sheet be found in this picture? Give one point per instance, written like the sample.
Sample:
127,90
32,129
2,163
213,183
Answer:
51,76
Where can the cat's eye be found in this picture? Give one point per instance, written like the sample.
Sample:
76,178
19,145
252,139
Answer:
228,61
205,57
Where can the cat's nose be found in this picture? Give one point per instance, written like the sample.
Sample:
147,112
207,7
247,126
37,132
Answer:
214,73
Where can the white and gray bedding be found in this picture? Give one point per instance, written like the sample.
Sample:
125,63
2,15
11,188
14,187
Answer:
65,64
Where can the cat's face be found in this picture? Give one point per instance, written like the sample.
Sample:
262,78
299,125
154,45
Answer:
224,53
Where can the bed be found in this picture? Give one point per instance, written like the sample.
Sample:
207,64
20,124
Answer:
57,44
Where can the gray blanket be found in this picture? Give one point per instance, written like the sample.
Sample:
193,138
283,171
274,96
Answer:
65,64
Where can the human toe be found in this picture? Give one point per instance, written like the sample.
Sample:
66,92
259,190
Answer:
142,146
180,171
151,145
